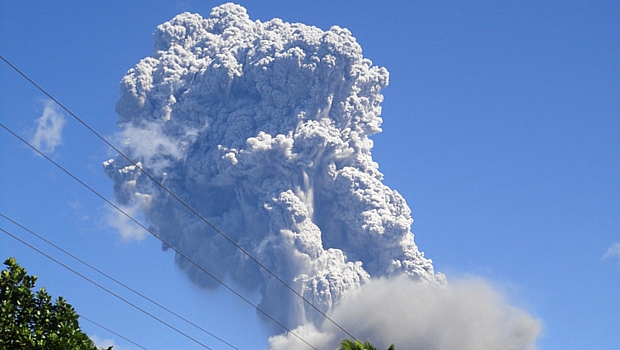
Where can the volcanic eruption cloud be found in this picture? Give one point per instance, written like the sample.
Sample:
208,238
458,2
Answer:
263,129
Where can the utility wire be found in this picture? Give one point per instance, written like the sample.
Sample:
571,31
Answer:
177,198
116,281
66,307
156,236
105,289
111,331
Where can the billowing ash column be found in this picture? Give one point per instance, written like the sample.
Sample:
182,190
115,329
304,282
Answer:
264,128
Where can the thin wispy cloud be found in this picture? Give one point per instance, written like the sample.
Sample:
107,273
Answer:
613,251
49,128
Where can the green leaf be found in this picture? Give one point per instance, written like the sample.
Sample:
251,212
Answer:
31,320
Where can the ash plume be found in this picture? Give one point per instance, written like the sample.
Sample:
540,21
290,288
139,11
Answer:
467,314
264,128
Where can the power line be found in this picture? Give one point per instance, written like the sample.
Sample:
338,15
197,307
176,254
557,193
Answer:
156,236
111,331
65,306
176,197
116,281
104,288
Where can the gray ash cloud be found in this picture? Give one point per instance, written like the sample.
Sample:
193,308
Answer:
264,128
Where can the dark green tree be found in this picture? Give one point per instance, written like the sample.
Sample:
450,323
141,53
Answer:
347,344
31,321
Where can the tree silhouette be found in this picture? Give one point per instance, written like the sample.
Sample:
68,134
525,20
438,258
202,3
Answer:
31,321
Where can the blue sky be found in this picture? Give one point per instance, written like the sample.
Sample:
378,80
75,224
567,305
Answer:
501,130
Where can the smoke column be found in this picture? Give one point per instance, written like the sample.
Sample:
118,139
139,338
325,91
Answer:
264,129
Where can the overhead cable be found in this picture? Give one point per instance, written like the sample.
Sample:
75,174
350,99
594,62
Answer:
105,289
111,331
65,306
116,281
156,236
192,210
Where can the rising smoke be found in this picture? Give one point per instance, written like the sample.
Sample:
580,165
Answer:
467,314
264,129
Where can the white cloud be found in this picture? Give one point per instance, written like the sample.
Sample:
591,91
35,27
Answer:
128,229
613,251
49,128
307,332
104,343
464,315
149,143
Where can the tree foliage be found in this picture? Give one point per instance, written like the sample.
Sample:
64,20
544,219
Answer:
347,344
31,320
